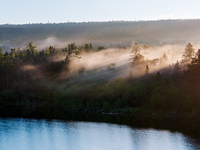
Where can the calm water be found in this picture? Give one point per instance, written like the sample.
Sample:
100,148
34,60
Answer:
32,134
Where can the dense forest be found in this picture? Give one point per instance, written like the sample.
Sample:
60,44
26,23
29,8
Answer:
52,80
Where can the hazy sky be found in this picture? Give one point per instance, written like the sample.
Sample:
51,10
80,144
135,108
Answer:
42,11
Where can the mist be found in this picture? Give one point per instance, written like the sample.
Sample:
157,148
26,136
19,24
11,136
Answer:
94,66
121,68
109,34
109,64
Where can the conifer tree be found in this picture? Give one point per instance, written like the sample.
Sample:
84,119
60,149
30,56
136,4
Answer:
188,52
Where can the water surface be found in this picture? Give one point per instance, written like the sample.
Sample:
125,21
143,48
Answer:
34,134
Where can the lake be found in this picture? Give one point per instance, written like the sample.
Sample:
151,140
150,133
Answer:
43,134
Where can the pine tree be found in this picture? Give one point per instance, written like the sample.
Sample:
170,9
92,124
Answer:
164,57
147,69
31,48
136,57
136,49
177,68
188,52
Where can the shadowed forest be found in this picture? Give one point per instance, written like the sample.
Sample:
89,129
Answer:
96,72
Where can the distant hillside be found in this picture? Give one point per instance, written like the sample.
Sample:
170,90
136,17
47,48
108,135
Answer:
101,33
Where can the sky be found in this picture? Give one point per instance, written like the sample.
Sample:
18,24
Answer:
59,11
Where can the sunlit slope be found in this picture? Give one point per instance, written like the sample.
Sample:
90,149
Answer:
105,33
111,64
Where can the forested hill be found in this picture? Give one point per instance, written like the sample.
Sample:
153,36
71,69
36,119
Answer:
101,33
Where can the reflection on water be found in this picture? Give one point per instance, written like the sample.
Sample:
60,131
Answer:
32,134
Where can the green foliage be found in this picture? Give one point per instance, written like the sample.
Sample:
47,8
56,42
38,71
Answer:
167,97
106,105
111,66
184,72
101,48
7,97
118,103
42,97
140,91
177,68
81,70
137,59
136,49
77,52
155,92
1,55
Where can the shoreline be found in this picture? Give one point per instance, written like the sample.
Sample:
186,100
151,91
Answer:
171,121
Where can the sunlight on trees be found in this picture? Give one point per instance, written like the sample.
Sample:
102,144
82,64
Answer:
188,52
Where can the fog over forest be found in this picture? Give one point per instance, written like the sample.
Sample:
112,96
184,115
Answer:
156,39
100,66
140,76
109,34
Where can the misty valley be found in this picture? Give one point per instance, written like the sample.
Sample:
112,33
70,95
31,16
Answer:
130,80
82,71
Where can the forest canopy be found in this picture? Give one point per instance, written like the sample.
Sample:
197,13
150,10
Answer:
80,78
